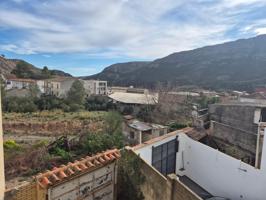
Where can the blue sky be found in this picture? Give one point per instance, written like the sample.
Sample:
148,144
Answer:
84,36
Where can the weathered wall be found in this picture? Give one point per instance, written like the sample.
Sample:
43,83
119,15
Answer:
155,186
238,137
238,116
182,192
28,191
158,187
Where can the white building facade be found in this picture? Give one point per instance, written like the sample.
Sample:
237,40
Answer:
95,87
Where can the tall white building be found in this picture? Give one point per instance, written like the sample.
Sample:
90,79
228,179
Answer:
95,87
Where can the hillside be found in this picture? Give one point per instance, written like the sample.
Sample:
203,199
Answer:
236,65
7,67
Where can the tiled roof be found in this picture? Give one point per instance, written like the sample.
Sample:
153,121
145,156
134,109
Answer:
22,80
84,165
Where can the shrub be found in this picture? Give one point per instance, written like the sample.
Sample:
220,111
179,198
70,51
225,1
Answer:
11,145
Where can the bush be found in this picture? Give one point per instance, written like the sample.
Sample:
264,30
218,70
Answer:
98,142
11,145
19,104
75,107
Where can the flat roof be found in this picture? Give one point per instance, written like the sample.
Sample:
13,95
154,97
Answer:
157,139
141,126
261,105
134,98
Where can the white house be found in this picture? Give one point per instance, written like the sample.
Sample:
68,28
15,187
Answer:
207,171
95,87
18,83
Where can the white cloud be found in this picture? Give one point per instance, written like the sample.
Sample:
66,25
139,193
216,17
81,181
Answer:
141,28
260,31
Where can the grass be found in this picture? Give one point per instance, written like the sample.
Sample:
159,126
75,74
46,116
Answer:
57,115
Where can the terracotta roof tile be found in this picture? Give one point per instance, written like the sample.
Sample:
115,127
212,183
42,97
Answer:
71,169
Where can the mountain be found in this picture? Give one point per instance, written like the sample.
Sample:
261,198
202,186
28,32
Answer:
239,64
8,66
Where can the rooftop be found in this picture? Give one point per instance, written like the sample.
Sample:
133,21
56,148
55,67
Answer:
22,80
141,126
84,165
134,98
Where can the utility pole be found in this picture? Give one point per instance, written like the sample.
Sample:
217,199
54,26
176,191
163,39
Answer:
258,147
2,168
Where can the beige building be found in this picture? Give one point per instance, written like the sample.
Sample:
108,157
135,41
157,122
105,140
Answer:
58,86
137,132
95,87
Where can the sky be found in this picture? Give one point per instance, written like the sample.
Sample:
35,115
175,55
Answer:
82,37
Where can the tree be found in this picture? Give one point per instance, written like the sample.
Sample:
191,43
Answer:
34,91
76,94
45,72
19,104
23,70
113,123
130,177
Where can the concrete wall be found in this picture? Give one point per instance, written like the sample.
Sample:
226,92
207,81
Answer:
238,116
238,137
220,174
158,187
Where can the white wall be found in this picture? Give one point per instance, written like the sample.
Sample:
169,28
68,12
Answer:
220,174
146,152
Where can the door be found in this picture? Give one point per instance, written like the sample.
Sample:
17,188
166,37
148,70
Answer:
164,157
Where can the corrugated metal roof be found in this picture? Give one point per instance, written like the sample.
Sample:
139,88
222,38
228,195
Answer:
141,126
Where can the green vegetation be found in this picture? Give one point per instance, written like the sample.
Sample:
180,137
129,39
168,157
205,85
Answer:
176,126
19,104
204,101
93,103
11,145
76,94
26,70
74,102
55,115
23,70
130,177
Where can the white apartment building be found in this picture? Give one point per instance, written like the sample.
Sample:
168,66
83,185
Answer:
95,87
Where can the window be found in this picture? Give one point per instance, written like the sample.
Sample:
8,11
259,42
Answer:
161,132
132,135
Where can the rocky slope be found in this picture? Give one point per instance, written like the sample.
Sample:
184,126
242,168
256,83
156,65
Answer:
237,65
8,65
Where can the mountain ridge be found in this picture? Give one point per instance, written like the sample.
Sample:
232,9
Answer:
8,65
237,64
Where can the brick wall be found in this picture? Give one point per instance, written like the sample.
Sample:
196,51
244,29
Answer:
27,191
